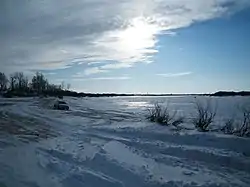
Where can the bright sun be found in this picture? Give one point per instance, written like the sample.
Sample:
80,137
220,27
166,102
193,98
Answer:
139,35
137,42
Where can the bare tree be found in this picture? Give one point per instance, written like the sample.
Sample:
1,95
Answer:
25,83
18,76
21,82
62,85
39,83
12,82
68,86
3,81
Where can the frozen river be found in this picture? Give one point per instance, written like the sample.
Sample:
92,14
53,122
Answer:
107,142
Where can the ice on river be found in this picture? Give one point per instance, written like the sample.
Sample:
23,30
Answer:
108,142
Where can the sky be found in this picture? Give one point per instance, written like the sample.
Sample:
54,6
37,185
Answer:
129,46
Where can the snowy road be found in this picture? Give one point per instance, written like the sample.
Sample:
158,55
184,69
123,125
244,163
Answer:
107,142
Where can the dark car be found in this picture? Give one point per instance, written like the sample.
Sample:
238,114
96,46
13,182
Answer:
61,105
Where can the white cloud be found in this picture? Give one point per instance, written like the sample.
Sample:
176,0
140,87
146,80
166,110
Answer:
48,35
102,69
94,70
175,74
102,78
49,73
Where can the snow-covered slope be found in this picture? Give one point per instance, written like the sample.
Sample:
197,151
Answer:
108,142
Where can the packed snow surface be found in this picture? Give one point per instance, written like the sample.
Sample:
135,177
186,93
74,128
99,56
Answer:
107,142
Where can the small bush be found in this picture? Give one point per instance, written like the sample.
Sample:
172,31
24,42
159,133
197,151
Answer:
244,130
163,116
229,127
240,127
205,115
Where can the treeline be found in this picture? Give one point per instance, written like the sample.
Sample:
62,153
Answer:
19,85
226,93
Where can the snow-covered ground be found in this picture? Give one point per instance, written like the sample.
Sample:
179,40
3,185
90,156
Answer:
107,142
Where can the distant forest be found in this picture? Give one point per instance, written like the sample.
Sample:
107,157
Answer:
18,85
226,93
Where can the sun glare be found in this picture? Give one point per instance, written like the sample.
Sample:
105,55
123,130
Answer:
140,35
135,43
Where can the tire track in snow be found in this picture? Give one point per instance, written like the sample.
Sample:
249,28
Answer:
157,172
